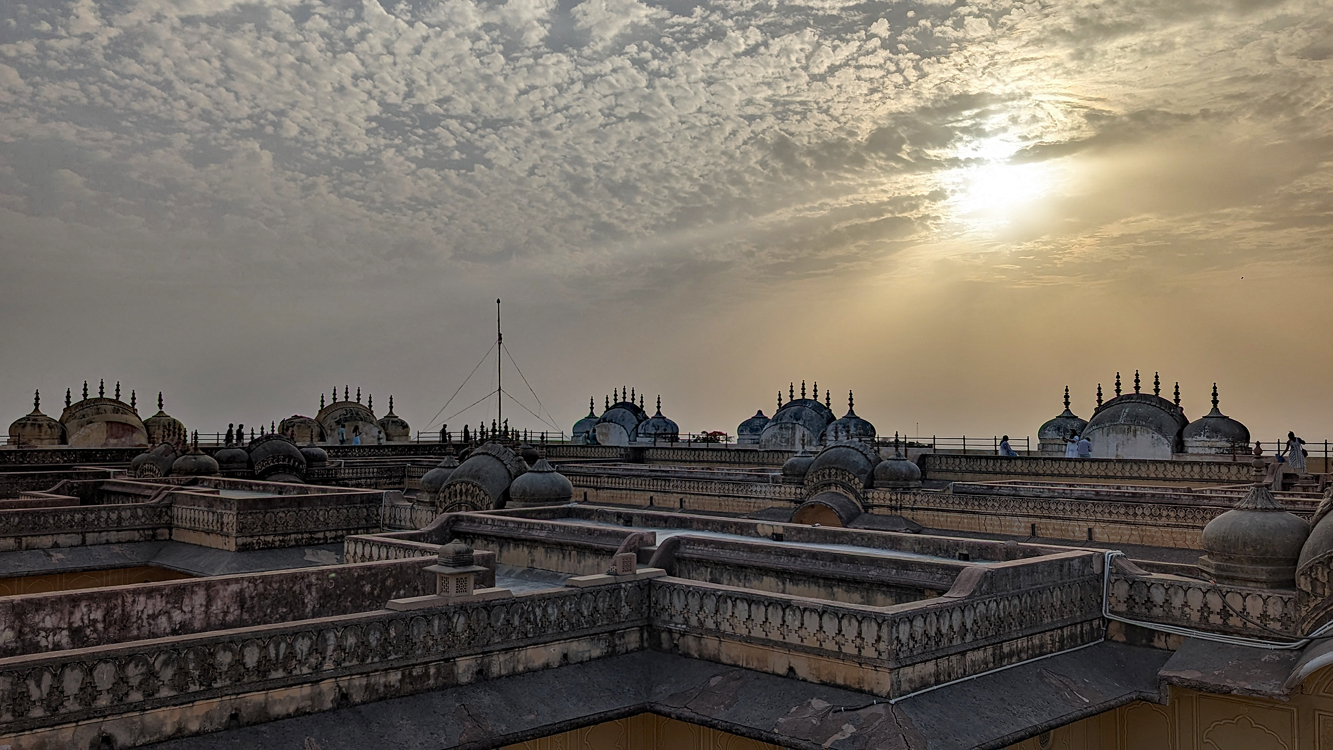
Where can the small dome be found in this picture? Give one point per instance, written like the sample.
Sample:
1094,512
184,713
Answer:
529,454
1052,435
433,480
658,427
584,426
749,431
195,465
1257,543
827,509
1215,432
156,462
314,455
301,429
396,429
849,427
484,478
540,485
897,473
232,461
36,428
162,427
274,454
796,467
857,459
796,424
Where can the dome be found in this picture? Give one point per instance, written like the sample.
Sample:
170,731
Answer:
849,427
351,416
194,464
274,454
104,423
1257,543
314,455
658,427
232,461
156,462
1136,425
798,423
619,424
396,429
1051,436
749,431
854,458
36,429
794,470
897,473
163,428
456,554
584,426
540,485
1320,542
481,482
301,429
1215,433
827,509
433,480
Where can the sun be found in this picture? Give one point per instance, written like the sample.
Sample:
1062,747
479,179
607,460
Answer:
992,188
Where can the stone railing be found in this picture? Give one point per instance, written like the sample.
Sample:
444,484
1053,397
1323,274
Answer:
373,656
14,483
950,467
979,625
668,492
247,523
392,476
56,456
42,528
358,549
1202,605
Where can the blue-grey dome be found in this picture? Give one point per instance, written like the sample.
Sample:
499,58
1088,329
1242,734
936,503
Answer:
849,427
749,431
1136,425
658,427
797,423
489,469
897,473
1215,432
794,470
540,485
585,425
855,458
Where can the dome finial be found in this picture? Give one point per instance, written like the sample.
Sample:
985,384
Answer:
67,398
659,404
1136,381
631,395
1099,395
391,403
101,388
347,393
159,400
1156,384
779,398
370,403
117,390
608,402
1117,385
802,389
850,402
815,390
1178,392
791,391
1066,398
591,407
358,394
1214,395
828,399
134,400
37,400
321,402
641,402
334,398
85,390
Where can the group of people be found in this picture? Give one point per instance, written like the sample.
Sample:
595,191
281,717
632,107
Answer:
1075,446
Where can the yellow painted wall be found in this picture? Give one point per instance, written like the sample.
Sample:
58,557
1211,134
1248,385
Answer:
644,732
1205,721
87,579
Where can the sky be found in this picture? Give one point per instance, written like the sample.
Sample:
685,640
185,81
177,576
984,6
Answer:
953,209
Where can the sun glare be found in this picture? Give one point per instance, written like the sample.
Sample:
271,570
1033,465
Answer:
991,189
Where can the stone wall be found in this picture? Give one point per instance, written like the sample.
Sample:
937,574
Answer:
958,468
94,617
12,483
291,520
1201,605
44,528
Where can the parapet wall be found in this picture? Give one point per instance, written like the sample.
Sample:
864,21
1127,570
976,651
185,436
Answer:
950,467
47,622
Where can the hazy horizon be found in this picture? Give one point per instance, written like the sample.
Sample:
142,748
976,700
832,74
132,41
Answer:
954,209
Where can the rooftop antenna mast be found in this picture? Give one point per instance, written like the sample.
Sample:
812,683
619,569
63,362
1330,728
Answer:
499,383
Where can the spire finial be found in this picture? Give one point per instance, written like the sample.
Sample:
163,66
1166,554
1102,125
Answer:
815,391
370,402
347,393
779,398
1157,384
659,403
850,402
391,403
1178,392
1214,395
159,400
334,399
37,400
85,390
321,402
67,398
791,391
802,389
1099,395
101,388
631,395
1136,381
591,406
117,390
196,441
1117,385
608,402
134,400
1066,398
640,401
358,394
